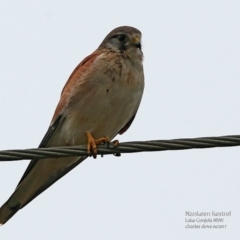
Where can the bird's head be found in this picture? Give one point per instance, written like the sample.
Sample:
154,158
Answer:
126,40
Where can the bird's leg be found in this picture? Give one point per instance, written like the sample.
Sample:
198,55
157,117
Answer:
92,143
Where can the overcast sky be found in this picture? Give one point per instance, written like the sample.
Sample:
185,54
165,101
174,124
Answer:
192,56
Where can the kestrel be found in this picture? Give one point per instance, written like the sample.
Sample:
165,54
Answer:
99,101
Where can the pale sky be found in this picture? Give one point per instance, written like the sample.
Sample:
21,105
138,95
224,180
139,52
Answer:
192,72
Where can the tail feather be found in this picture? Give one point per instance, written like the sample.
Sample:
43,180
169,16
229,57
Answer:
8,209
45,173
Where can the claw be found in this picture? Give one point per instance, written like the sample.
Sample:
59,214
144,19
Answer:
92,144
115,143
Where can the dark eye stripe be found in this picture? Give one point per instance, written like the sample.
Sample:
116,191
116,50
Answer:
121,37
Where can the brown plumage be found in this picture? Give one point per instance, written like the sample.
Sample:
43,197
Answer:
101,97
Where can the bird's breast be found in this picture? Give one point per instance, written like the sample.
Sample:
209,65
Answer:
107,100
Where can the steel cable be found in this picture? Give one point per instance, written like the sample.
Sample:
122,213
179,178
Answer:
126,147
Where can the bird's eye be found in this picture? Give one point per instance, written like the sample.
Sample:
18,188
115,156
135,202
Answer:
121,37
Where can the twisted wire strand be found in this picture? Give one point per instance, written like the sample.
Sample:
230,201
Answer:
126,147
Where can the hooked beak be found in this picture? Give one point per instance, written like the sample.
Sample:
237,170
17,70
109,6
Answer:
137,43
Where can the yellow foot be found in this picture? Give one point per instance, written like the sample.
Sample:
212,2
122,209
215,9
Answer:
92,144
115,143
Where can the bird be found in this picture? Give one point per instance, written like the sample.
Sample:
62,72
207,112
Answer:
99,101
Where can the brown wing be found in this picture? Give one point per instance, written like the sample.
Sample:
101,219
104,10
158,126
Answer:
74,77
58,117
43,143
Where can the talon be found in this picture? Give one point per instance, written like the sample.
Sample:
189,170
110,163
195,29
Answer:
117,154
115,143
102,140
92,144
